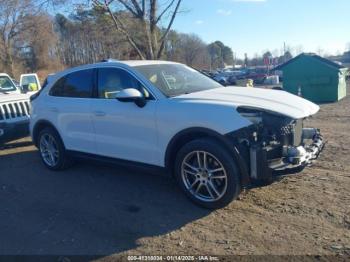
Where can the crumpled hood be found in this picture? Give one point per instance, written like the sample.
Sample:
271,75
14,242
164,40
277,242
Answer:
13,96
277,101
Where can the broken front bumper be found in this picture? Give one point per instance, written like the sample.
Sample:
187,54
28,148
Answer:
302,155
264,161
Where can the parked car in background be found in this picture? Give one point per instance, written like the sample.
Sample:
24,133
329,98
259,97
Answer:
14,110
215,140
226,77
221,78
207,73
232,80
258,75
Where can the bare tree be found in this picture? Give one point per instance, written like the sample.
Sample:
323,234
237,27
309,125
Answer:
13,23
192,48
150,17
37,44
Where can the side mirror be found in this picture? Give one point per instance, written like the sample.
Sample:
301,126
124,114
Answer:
131,95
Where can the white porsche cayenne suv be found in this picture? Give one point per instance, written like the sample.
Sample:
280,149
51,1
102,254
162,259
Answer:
215,140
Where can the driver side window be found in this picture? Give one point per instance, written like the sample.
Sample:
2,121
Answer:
113,80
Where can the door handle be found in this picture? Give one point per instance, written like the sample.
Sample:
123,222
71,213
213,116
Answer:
99,113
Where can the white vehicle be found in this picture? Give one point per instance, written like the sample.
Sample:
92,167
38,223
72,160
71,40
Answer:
215,140
30,83
14,110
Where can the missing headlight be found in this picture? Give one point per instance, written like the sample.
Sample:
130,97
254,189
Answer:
252,115
272,127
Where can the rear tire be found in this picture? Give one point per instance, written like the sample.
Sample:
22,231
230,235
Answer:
52,151
207,173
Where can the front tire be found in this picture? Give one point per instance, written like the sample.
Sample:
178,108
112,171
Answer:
52,151
207,173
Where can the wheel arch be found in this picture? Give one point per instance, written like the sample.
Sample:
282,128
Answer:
189,134
40,125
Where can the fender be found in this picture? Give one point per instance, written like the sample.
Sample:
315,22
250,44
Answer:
39,125
189,134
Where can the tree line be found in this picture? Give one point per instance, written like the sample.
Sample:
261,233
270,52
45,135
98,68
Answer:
33,38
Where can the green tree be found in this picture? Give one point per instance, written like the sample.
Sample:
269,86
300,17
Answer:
215,55
227,55
220,54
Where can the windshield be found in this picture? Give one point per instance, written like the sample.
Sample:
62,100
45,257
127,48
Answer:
176,79
6,84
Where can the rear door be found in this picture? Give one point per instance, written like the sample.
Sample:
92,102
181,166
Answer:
68,107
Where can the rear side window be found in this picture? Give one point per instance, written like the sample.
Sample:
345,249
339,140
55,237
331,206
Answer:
77,84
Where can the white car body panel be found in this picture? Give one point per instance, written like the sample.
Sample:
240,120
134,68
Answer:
175,115
13,96
270,100
72,119
125,131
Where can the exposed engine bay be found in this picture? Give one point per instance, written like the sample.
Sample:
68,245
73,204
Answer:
275,142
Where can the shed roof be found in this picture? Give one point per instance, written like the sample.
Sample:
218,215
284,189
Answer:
312,56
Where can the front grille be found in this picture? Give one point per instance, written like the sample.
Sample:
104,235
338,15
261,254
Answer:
14,110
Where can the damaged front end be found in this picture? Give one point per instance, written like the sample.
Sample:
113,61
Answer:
275,143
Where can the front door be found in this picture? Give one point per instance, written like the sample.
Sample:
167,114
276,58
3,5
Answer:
122,129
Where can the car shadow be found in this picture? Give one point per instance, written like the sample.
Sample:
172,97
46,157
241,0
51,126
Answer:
89,209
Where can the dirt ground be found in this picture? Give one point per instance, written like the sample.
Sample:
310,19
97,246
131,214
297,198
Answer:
112,211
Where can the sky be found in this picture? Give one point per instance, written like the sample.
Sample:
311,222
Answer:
255,26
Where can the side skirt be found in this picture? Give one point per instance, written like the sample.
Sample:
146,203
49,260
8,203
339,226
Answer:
118,162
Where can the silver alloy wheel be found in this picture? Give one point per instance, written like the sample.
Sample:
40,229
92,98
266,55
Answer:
204,176
49,150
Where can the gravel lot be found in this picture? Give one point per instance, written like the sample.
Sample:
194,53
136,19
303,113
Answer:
111,211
